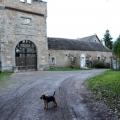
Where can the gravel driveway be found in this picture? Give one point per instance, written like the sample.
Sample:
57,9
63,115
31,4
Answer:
19,96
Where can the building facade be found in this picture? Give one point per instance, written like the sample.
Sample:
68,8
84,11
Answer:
79,52
24,44
23,36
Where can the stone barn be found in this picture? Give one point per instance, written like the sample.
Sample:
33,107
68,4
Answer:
23,36
79,52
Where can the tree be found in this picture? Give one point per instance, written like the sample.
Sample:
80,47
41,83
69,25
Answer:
107,40
116,50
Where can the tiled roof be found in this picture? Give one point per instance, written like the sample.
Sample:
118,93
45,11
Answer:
76,44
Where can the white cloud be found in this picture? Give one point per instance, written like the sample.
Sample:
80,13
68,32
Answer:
79,18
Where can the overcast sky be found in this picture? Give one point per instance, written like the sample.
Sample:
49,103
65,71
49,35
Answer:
80,18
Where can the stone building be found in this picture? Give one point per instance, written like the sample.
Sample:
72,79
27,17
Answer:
24,44
82,52
23,38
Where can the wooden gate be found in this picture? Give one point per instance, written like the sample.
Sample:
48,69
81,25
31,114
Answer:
26,55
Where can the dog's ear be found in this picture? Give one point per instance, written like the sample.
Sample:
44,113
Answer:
42,97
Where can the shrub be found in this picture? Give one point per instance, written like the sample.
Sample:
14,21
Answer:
100,64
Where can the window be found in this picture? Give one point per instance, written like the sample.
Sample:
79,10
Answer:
53,61
98,58
26,21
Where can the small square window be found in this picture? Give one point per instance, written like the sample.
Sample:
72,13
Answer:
26,21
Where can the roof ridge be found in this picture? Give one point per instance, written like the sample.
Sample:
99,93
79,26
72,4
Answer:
87,36
73,44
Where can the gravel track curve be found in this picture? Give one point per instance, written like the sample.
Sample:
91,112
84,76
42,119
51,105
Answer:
19,96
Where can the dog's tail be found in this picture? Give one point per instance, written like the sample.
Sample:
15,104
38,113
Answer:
54,93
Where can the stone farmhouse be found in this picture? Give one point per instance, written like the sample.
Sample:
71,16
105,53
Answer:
82,52
24,44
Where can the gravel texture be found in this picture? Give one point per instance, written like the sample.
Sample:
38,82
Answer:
20,97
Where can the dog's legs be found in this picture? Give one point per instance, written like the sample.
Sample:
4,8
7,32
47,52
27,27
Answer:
55,103
44,105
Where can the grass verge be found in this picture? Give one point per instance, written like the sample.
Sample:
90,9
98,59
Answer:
4,75
106,87
63,69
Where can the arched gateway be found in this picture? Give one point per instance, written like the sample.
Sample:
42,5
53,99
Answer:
26,55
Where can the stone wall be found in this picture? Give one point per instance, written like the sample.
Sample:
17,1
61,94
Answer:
17,25
36,7
62,56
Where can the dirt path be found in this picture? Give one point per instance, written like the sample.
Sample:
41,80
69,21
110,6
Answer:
81,104
19,96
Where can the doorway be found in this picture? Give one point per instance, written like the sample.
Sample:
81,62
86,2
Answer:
26,55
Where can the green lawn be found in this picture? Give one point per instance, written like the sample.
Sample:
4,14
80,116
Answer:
106,87
4,75
63,69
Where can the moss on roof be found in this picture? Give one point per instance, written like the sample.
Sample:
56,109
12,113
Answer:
74,44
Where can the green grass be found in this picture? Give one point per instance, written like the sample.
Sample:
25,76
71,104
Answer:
4,75
63,69
106,87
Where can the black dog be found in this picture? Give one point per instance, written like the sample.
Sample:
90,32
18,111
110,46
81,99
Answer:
48,99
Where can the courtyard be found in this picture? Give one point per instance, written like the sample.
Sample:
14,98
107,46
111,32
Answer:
20,96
